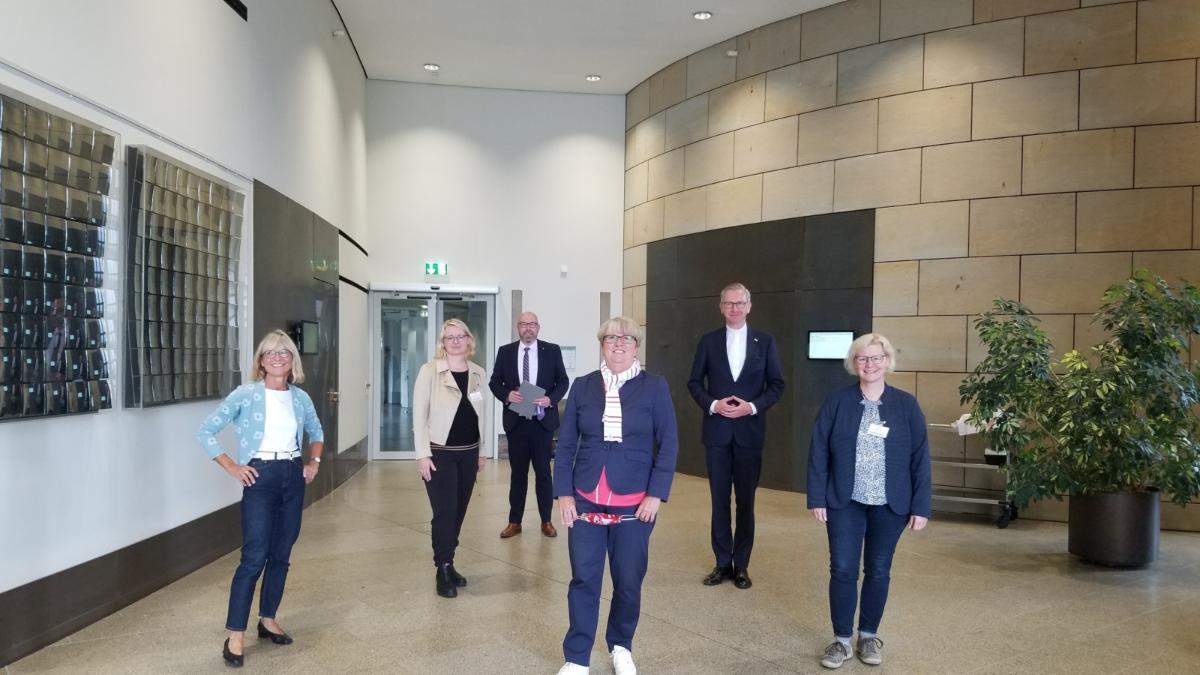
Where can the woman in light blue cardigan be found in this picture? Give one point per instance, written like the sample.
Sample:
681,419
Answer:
270,416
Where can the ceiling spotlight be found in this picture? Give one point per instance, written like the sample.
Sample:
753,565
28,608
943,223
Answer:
731,52
702,15
432,67
339,33
592,78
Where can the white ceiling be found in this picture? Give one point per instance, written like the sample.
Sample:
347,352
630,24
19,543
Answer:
545,45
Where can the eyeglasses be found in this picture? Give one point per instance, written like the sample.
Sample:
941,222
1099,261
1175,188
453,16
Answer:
277,354
455,338
623,339
740,304
527,324
875,360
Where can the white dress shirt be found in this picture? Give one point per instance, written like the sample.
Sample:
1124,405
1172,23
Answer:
735,351
533,360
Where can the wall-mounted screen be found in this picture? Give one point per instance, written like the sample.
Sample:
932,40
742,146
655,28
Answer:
829,345
308,336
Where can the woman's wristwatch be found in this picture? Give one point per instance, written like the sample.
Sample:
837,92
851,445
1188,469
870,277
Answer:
315,459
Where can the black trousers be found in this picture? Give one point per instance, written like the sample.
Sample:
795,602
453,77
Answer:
529,442
449,490
737,468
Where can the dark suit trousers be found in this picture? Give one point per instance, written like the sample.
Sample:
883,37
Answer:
733,467
529,442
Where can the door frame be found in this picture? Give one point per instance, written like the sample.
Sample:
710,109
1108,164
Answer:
380,290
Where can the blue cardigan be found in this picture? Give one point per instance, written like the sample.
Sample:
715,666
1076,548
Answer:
246,409
834,446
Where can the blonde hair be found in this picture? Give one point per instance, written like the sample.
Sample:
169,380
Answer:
622,324
735,286
276,339
441,345
864,341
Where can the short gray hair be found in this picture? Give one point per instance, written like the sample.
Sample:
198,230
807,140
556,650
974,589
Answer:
735,286
622,324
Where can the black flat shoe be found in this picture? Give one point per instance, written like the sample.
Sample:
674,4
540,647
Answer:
232,660
718,574
742,580
277,638
445,583
459,580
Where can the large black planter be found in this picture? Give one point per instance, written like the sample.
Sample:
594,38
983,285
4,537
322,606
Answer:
1115,529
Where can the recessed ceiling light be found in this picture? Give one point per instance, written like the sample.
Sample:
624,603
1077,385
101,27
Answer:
592,78
731,52
432,67
339,33
702,15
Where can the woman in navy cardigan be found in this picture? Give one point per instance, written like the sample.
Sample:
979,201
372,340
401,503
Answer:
868,478
606,467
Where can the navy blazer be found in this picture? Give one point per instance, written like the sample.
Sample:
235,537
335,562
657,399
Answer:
647,423
834,448
760,382
551,376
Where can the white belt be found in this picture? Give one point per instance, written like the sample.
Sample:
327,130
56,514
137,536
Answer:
276,456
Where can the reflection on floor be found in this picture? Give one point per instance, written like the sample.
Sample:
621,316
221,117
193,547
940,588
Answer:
395,428
966,598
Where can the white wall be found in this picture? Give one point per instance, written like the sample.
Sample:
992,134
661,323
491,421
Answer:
354,345
506,187
275,98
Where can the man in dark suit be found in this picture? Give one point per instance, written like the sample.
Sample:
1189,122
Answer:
736,377
529,360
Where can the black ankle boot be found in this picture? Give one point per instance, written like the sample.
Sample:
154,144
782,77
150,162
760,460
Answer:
459,580
445,583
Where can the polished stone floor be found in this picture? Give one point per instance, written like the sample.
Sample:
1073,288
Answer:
966,598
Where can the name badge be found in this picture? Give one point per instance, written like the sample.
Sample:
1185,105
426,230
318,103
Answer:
877,429
475,396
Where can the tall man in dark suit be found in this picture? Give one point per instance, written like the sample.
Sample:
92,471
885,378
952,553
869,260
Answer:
736,377
529,360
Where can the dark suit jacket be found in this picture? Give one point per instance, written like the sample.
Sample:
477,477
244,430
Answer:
760,382
647,423
835,444
551,376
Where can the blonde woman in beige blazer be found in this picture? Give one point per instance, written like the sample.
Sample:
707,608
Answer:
448,400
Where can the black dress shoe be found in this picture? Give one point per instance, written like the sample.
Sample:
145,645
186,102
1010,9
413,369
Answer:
232,660
718,574
459,580
445,583
742,580
277,638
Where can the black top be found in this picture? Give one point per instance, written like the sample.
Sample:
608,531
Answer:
464,430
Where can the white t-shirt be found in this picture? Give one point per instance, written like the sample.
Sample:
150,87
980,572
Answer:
279,428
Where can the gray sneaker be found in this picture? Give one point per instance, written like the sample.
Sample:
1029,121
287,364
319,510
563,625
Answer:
835,654
868,651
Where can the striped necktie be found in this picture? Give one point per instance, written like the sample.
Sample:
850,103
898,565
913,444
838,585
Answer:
525,366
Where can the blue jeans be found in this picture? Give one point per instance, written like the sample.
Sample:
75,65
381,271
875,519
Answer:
848,529
271,511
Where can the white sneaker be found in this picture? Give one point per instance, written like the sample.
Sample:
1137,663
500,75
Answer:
623,661
573,669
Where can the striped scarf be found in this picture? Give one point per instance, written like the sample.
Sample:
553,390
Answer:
612,399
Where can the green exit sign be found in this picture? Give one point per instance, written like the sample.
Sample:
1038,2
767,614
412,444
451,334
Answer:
436,269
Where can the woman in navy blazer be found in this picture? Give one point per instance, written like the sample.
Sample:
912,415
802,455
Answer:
606,465
868,477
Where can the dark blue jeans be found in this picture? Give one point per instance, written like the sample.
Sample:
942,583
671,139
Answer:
849,528
271,511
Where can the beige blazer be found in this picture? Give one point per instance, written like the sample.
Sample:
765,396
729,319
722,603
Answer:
435,400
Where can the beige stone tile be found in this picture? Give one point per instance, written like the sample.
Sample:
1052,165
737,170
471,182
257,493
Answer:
737,105
768,47
765,147
967,285
627,301
994,10
1078,160
1059,328
880,70
1028,224
921,231
1080,38
926,343
665,174
648,222
1168,29
734,202
1134,220
798,191
708,161
975,169
686,122
939,397
930,117
637,104
974,53
711,67
872,181
1170,265
668,86
636,309
1196,218
685,213
633,267
630,148
833,133
649,137
906,381
627,230
1166,155
901,18
1147,93
894,289
1088,334
635,186
1070,283
839,27
1017,106
1093,3
802,87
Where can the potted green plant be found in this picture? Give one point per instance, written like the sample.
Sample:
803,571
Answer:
1113,431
